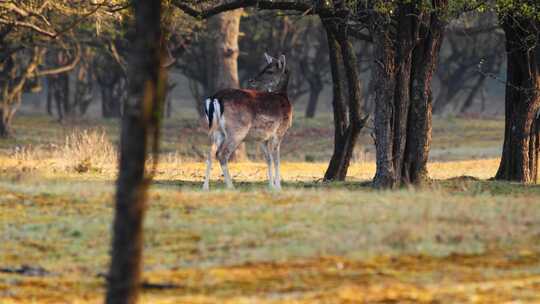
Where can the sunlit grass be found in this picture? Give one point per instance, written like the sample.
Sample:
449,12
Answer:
459,239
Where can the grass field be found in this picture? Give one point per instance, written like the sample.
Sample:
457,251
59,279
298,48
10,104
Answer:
460,239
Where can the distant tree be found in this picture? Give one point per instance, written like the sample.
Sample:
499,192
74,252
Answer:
474,41
140,132
71,91
33,31
520,21
406,60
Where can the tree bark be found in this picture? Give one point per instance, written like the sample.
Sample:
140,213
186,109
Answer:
519,161
414,168
338,103
403,76
140,121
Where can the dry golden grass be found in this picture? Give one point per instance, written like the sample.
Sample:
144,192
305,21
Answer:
457,240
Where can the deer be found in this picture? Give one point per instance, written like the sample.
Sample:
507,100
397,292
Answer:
262,113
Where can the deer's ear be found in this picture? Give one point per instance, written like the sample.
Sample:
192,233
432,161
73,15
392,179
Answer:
268,58
282,62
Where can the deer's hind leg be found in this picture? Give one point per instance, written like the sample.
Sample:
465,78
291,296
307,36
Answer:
216,141
224,152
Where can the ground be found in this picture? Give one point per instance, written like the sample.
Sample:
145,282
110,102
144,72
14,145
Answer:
460,239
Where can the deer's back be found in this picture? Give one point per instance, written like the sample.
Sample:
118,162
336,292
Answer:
264,113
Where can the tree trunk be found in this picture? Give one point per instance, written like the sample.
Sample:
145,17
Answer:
338,103
224,72
403,96
384,110
112,98
140,120
5,124
50,98
426,54
467,104
314,93
344,143
519,161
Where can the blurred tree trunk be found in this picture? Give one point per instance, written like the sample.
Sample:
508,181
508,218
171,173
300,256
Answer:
112,96
469,101
403,76
316,88
112,82
14,76
223,73
519,161
140,130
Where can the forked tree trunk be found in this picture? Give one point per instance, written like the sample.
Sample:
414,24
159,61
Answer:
344,143
223,73
519,161
140,121
403,95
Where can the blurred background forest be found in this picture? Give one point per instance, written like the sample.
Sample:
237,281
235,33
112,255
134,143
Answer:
469,79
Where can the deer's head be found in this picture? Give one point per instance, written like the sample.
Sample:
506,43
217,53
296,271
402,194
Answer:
274,77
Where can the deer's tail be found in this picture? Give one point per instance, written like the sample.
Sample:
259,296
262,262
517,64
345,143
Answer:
213,111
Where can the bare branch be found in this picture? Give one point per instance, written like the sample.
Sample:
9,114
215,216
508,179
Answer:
28,25
62,69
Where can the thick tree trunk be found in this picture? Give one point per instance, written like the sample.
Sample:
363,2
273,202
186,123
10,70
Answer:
519,161
384,111
140,120
403,95
223,73
414,168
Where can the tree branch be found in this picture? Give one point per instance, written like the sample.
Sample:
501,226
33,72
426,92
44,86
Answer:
62,69
259,4
28,25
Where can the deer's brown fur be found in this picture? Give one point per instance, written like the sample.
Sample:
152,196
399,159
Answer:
236,115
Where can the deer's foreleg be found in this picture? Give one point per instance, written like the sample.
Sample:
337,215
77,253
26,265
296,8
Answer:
268,156
276,159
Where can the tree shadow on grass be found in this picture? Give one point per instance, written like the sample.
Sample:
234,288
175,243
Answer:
263,185
455,185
